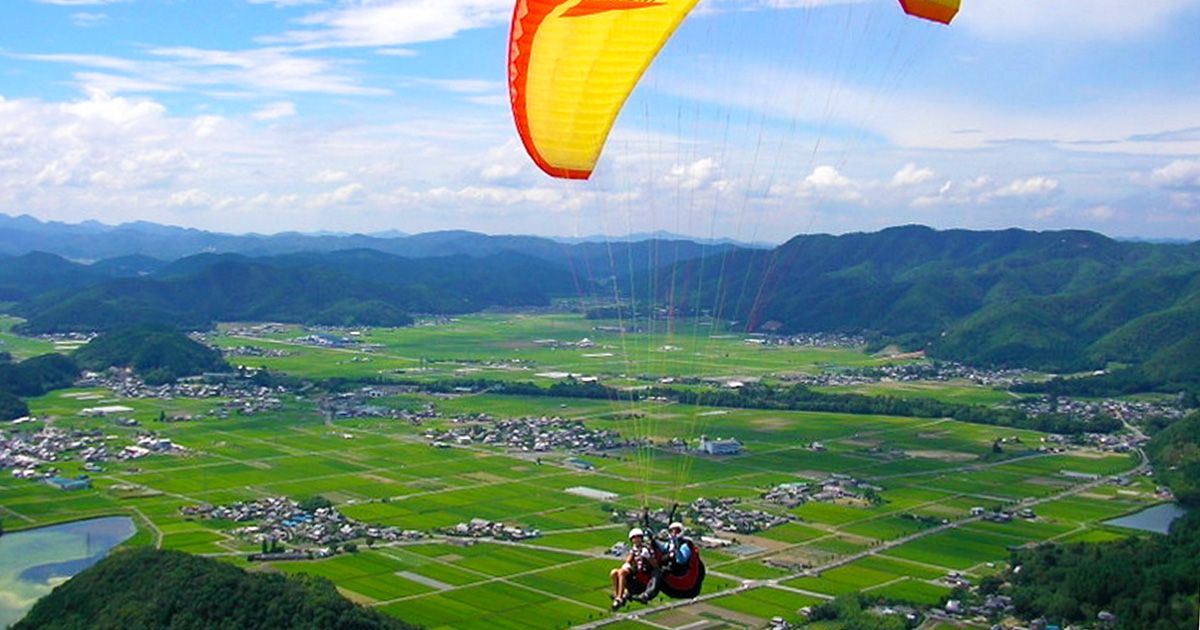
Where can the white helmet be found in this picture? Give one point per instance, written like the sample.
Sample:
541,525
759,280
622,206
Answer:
636,531
674,526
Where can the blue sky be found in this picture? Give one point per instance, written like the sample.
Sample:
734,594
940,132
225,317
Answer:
761,119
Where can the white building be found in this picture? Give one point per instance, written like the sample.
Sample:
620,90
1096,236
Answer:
719,446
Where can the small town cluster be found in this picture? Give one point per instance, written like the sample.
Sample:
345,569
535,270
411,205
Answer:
284,520
722,515
1133,411
837,487
809,339
483,528
33,454
238,395
935,371
364,403
709,515
530,433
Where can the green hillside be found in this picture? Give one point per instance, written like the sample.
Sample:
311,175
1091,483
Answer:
1057,301
149,588
158,354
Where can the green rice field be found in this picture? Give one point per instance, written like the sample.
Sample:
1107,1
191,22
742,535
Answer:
382,471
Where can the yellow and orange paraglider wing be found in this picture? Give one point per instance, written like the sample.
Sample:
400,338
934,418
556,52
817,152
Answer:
572,64
937,10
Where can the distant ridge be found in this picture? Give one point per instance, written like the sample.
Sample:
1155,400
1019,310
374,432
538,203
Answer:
91,240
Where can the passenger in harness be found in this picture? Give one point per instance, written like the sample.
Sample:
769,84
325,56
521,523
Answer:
638,576
676,551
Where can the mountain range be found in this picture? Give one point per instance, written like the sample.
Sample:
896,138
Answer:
1059,301
91,241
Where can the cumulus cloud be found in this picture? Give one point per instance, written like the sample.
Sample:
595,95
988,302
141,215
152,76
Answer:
911,175
1178,174
826,177
826,183
695,175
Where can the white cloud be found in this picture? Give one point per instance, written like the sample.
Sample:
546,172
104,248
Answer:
827,183
283,4
330,177
493,172
1029,187
205,126
752,5
693,176
467,86
274,111
1070,20
910,175
1101,212
977,183
256,71
923,117
190,198
396,52
825,177
395,23
344,195
80,3
84,19
1178,174
118,111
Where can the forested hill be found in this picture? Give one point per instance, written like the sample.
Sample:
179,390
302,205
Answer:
357,287
1064,300
157,353
150,588
1060,301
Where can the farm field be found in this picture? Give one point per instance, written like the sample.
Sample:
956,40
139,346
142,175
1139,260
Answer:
930,474
519,347
20,347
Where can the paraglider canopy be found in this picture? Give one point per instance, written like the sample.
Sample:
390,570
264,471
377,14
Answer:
573,63
936,10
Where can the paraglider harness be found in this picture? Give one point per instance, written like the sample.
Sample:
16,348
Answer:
678,581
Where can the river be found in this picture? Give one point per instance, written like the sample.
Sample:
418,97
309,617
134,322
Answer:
33,562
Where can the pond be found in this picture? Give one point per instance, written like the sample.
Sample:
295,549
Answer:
1157,519
34,561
